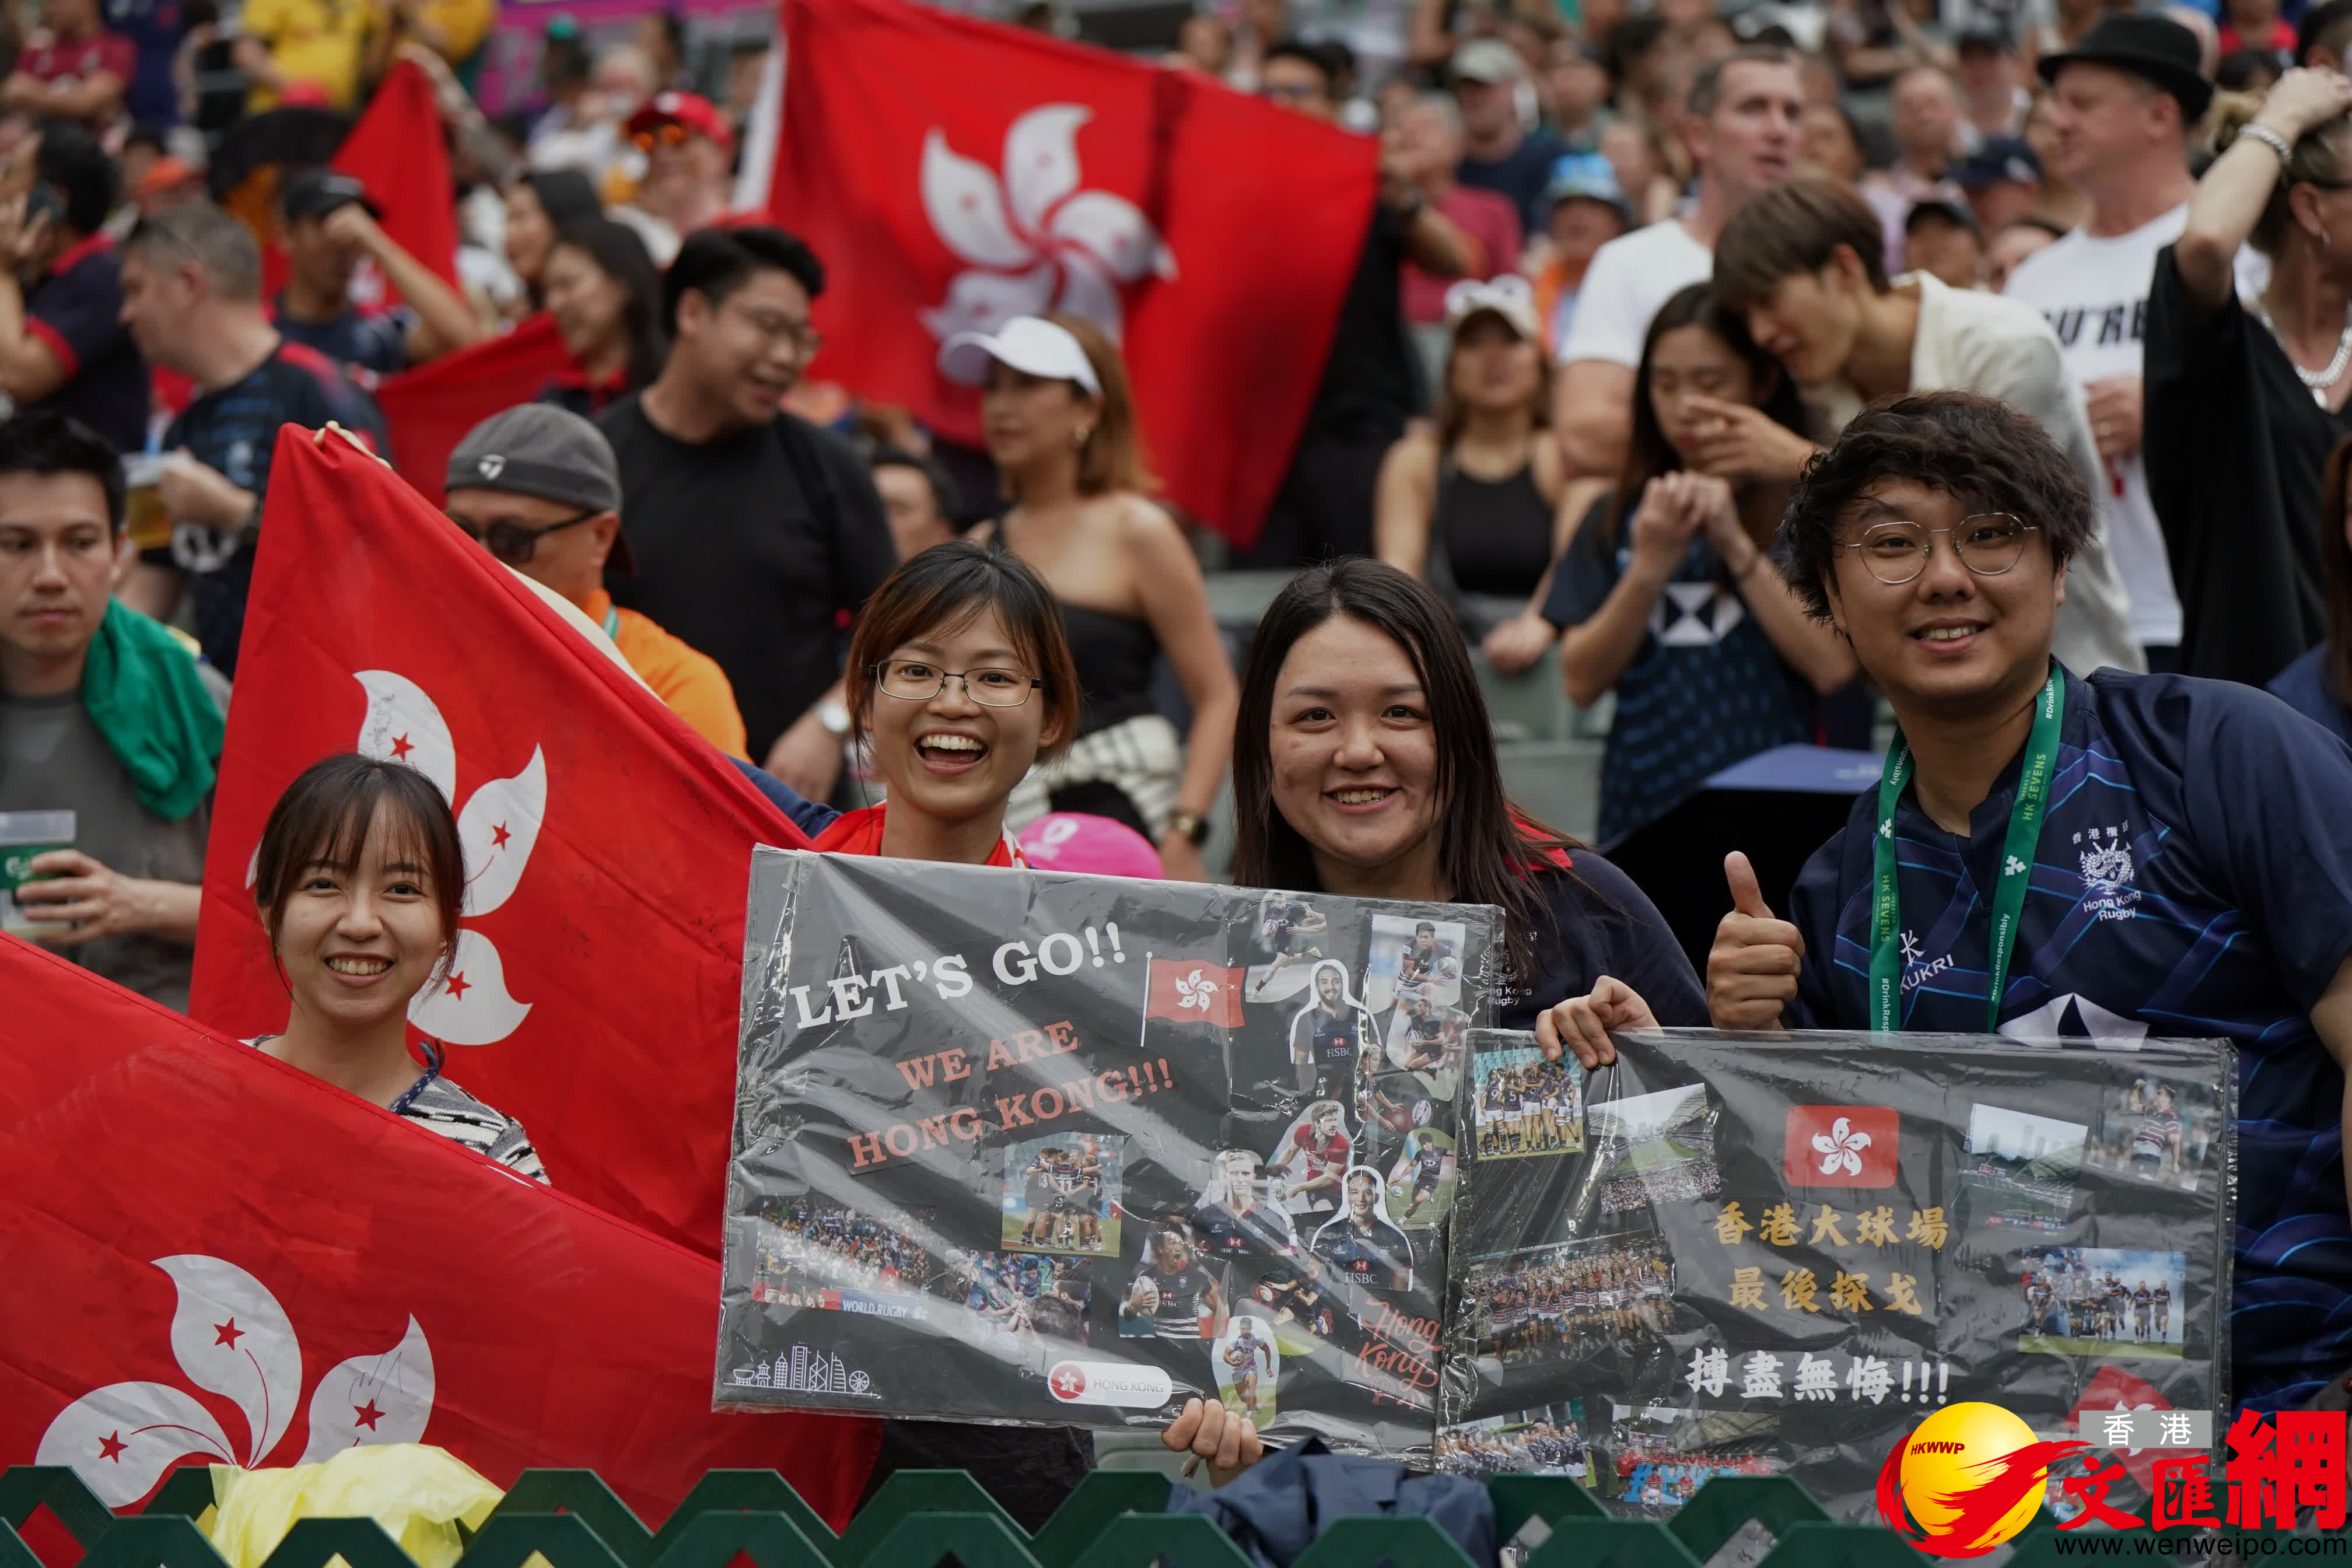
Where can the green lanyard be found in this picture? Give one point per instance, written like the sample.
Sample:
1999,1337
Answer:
2016,865
612,624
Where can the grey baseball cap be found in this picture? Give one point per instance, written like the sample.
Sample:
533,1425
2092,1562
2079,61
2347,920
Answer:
539,449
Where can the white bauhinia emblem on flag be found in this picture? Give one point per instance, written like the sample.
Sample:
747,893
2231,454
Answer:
498,827
1034,241
1196,990
232,1339
1841,1148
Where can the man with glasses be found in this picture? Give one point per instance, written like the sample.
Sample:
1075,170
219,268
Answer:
2054,856
537,486
1805,261
756,534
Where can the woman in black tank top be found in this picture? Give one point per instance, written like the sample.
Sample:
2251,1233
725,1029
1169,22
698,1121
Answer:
1061,425
1474,509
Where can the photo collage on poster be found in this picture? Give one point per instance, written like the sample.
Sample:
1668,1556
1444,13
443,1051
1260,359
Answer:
1725,1277
1339,1157
1258,1219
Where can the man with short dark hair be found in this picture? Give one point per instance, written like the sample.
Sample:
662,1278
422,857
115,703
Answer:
918,496
2324,40
104,716
1744,113
756,534
2161,851
1941,238
1801,260
537,486
191,300
62,344
326,224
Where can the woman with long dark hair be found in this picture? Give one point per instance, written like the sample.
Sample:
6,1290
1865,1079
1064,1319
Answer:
1736,664
1364,764
605,293
537,205
358,878
2319,684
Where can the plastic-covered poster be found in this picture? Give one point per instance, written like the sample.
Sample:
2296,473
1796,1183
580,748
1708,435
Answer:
1027,1146
1761,1254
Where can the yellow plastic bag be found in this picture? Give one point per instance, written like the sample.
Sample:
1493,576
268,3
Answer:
417,1492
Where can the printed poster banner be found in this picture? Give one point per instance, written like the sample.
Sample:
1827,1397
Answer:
1031,1147
1757,1253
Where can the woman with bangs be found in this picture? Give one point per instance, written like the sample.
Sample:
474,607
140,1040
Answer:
960,679
358,879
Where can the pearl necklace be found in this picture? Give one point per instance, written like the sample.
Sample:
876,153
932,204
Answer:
2317,380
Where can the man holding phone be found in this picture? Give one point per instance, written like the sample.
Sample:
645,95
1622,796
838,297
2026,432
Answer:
62,343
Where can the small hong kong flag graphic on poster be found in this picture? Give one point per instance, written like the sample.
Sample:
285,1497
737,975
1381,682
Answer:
1186,991
1840,1146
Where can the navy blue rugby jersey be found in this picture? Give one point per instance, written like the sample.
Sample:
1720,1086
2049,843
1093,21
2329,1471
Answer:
2193,878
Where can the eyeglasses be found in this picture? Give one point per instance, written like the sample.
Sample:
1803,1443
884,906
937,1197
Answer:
515,543
805,339
1988,544
917,680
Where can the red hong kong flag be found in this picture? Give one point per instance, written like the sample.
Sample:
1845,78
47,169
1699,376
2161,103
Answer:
1841,1146
1188,992
395,151
954,173
2113,1389
428,410
599,964
239,1265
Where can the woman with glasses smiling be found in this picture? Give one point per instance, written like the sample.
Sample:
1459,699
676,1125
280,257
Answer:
2050,857
538,488
960,678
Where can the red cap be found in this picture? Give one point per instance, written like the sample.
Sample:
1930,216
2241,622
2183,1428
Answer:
165,173
690,109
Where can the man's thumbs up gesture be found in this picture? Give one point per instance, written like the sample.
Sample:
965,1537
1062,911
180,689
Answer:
1752,970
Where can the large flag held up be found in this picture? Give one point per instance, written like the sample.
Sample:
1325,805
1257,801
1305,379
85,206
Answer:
427,410
239,1265
607,847
1214,233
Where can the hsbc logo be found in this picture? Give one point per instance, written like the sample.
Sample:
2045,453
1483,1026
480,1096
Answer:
1109,1383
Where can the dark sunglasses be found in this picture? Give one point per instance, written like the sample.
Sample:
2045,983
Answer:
515,544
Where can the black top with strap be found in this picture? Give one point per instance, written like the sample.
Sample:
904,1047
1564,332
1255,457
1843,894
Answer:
1496,533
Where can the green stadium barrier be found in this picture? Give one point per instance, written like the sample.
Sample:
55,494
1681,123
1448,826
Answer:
572,1518
1724,1506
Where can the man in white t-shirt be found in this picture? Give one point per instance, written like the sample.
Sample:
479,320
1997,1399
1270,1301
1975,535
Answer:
2122,118
1802,262
1743,131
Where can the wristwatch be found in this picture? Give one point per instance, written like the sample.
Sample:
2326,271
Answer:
834,714
1188,825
